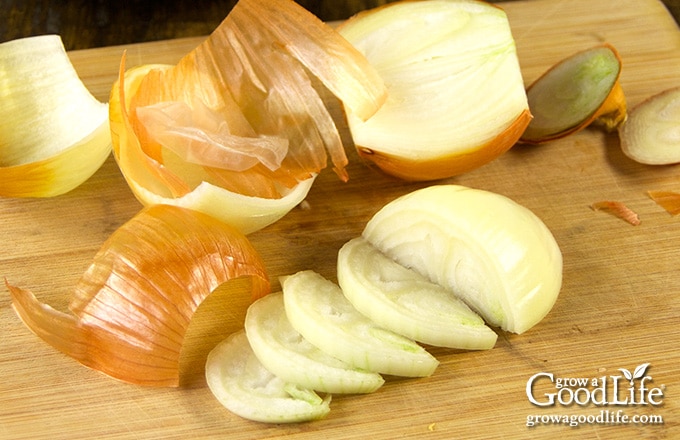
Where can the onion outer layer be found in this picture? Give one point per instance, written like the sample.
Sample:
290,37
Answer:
251,73
53,133
133,305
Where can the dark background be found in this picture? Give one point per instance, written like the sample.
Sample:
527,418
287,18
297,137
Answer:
96,23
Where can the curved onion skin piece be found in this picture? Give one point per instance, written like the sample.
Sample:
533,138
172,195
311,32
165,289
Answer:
456,97
651,133
403,301
245,387
579,90
149,180
133,305
53,133
491,252
284,352
246,83
319,311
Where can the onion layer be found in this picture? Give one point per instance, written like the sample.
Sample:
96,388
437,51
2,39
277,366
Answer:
651,133
581,89
456,97
133,305
237,121
53,133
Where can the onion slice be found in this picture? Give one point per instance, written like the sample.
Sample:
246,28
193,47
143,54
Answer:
456,97
238,120
133,305
53,133
651,134
579,90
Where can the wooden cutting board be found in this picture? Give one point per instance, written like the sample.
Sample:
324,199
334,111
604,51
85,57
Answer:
618,308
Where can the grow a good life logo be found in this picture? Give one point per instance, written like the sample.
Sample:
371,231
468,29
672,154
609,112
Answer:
612,394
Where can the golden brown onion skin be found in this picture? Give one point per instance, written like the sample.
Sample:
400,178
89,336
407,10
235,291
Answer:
132,307
448,166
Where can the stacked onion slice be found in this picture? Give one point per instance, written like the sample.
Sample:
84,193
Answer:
237,129
53,133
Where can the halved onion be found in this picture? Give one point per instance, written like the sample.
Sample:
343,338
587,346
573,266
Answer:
133,305
651,133
236,128
491,252
53,133
456,97
579,90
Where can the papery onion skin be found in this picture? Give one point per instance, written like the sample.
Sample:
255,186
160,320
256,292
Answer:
132,307
53,133
668,200
611,113
617,209
251,71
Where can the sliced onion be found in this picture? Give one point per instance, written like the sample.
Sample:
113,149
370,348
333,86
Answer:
456,97
53,133
579,90
132,307
237,121
651,133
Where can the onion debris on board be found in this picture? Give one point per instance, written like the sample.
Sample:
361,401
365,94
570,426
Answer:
651,134
582,89
54,135
617,209
131,308
236,129
456,97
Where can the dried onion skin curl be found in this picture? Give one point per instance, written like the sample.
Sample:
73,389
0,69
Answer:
131,308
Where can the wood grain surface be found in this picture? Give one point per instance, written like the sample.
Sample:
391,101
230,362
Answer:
618,308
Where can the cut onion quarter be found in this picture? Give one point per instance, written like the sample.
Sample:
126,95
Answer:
651,133
582,89
491,252
54,135
131,308
456,97
236,129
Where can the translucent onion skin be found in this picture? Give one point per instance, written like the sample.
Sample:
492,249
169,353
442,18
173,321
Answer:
133,305
250,76
53,133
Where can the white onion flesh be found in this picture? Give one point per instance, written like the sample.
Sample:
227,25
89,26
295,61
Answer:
493,253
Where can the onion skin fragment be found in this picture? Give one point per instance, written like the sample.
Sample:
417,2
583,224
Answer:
250,78
668,200
131,308
610,113
53,133
617,209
